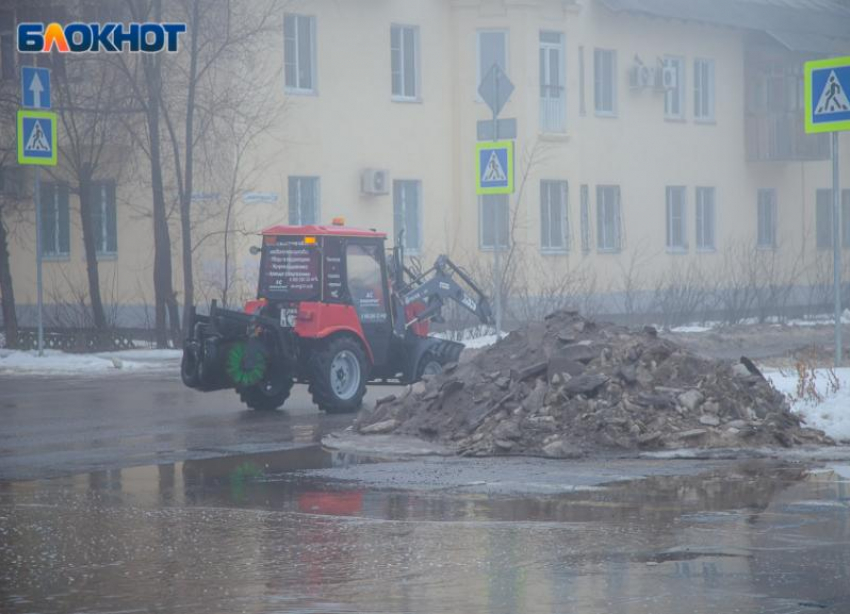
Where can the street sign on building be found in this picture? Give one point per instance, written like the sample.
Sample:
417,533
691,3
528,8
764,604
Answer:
35,88
827,95
36,137
494,167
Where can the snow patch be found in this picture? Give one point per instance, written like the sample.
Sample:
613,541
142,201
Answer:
56,362
832,415
476,337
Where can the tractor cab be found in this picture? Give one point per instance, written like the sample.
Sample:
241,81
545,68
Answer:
323,279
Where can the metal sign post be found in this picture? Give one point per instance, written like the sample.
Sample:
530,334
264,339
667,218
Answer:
495,90
828,110
37,146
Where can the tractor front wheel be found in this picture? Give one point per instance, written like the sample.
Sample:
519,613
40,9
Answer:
338,374
267,395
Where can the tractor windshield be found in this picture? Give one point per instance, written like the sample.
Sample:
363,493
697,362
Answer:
289,270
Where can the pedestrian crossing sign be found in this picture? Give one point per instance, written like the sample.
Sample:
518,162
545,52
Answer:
494,167
827,87
37,137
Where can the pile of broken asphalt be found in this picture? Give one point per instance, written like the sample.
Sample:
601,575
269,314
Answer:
569,386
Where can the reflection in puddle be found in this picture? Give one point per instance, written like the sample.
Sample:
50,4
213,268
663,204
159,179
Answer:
254,533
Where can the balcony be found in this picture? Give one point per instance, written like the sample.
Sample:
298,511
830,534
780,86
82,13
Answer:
781,137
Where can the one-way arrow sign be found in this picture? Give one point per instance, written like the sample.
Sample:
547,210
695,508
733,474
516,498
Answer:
495,89
35,87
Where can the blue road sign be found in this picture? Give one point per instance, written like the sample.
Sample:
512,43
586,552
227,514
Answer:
494,167
35,87
37,137
828,95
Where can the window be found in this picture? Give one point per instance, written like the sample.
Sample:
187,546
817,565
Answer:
608,227
299,50
704,90
766,218
585,219
674,98
705,219
676,223
554,217
407,213
823,218
492,49
104,222
582,110
605,81
404,52
55,221
494,221
552,80
303,200
365,281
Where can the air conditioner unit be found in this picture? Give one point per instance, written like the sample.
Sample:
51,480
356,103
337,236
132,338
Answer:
669,77
640,75
375,181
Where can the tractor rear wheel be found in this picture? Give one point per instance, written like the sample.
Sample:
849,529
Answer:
428,365
267,395
338,374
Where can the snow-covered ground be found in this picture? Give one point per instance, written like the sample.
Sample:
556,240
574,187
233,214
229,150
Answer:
56,362
832,414
474,338
816,320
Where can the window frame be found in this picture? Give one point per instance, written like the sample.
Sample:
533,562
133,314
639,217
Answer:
56,254
617,219
417,76
544,49
584,214
480,72
680,89
670,216
821,245
417,185
612,112
562,185
700,114
700,218
317,196
104,188
771,201
313,90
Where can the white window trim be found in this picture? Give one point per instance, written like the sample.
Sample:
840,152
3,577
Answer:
303,91
774,207
417,56
614,101
712,118
668,192
563,184
703,249
317,182
479,76
618,236
414,251
681,87
561,48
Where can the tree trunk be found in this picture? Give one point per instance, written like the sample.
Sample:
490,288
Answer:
90,247
7,292
188,183
162,273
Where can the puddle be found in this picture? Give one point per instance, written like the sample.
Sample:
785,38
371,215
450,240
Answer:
282,531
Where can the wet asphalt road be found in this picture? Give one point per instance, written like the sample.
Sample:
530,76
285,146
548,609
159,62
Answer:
134,494
52,426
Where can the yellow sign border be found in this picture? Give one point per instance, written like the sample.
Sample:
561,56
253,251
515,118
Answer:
808,67
509,145
22,157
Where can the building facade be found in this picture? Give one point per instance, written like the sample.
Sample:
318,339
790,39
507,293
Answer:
659,144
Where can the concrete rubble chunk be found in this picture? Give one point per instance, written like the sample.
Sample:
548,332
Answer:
378,428
691,399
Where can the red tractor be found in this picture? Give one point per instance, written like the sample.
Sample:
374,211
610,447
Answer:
333,312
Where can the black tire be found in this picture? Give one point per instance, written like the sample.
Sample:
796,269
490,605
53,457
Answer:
189,367
268,395
429,364
334,390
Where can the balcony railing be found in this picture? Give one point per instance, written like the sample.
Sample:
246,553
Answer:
781,137
553,116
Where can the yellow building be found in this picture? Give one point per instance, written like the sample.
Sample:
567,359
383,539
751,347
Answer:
658,144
